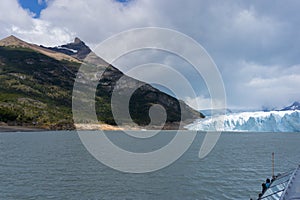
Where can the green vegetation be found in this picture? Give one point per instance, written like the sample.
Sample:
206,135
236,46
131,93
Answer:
36,90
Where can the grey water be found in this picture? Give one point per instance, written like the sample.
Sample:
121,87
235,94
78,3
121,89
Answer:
55,165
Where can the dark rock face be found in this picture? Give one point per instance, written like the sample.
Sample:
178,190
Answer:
143,97
77,49
141,100
294,106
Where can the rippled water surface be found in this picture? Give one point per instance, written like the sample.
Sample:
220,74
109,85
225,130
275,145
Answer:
55,165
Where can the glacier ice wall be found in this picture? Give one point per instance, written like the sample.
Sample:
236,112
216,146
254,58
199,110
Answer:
273,121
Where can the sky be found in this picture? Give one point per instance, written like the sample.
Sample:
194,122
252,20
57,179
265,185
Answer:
255,44
33,6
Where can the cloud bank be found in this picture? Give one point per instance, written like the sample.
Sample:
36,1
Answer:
255,44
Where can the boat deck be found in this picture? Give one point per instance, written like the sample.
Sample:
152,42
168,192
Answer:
293,189
285,187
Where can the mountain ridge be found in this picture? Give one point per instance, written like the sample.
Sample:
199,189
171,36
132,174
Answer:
36,87
294,106
14,42
77,49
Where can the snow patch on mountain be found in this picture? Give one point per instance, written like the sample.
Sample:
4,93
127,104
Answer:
294,106
68,49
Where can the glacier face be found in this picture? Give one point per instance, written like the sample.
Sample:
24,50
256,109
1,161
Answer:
272,121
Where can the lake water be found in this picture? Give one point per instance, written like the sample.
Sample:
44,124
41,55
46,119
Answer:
55,165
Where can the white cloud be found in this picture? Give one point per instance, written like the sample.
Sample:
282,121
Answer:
254,85
255,46
204,103
19,22
40,2
289,81
12,14
95,20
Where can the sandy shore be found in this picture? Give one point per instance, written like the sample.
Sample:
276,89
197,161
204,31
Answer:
6,128
106,127
97,127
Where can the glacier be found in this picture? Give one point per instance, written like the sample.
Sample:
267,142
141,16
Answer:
258,121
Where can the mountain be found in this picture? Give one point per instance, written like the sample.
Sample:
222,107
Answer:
77,49
14,42
294,106
37,83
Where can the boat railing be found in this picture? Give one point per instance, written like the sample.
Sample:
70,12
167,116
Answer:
289,184
278,186
269,195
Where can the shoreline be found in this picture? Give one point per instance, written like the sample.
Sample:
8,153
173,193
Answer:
86,127
21,129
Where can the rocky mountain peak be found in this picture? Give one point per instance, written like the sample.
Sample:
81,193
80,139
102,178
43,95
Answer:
77,49
13,41
77,40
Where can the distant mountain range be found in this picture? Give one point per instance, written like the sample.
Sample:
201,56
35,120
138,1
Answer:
208,112
294,106
37,82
